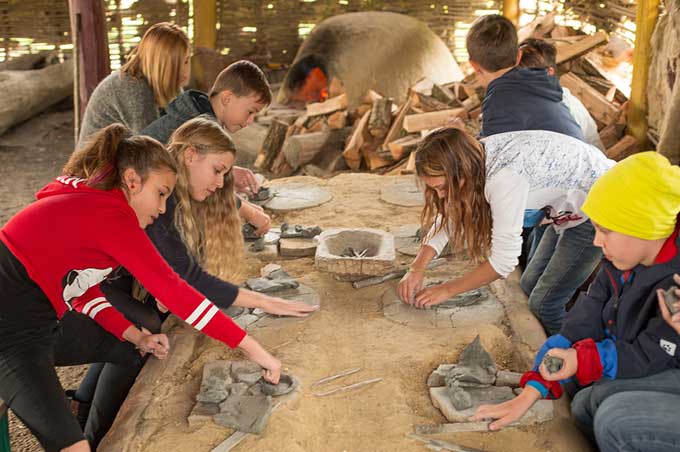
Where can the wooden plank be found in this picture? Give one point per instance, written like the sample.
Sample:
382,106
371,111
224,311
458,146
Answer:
611,135
411,165
352,152
381,118
301,149
585,45
626,146
337,120
426,121
327,107
599,107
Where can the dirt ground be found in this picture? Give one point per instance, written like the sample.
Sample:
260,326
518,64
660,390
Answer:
349,332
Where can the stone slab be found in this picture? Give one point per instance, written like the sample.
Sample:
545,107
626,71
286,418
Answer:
203,412
246,413
304,294
295,196
486,310
541,411
297,247
404,193
507,378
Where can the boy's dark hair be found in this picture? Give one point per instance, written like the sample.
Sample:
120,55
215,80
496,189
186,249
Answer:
243,78
538,53
297,75
492,43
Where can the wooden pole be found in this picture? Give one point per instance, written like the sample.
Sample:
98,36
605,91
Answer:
647,15
511,10
205,33
90,47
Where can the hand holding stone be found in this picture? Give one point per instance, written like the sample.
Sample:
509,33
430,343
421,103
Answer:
244,180
410,284
433,295
568,368
669,302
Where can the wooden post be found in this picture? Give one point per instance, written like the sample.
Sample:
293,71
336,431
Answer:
205,33
91,51
511,10
647,15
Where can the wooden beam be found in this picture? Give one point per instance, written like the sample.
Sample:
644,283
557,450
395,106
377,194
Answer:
647,15
597,104
627,146
567,52
511,10
205,33
91,50
327,107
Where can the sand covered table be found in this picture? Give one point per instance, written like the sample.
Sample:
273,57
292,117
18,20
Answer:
403,192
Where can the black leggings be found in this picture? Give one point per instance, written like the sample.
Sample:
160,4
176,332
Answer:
33,341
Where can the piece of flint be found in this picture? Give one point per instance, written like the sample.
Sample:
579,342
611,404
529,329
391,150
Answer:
553,363
249,232
671,298
262,194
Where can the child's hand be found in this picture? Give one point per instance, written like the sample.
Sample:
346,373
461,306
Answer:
157,344
672,320
410,284
257,218
245,181
507,412
433,295
568,369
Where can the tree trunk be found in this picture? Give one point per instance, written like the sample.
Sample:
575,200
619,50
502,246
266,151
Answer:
301,149
30,61
27,93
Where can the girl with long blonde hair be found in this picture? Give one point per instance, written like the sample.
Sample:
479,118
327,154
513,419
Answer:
480,194
199,235
155,73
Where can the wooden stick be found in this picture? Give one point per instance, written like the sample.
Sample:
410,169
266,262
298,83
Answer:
347,388
235,438
567,52
375,280
336,376
599,107
438,444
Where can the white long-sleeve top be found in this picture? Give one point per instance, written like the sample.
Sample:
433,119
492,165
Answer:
527,171
583,118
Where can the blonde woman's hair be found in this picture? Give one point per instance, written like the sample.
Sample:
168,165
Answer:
460,159
211,229
159,58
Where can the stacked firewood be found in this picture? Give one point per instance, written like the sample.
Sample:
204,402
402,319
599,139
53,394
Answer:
380,135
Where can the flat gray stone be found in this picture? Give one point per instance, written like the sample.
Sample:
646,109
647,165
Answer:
541,411
246,413
270,284
475,368
296,196
216,377
302,293
507,378
438,376
202,412
451,315
404,192
242,371
246,320
238,388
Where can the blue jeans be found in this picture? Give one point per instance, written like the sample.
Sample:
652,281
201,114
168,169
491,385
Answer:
558,267
634,414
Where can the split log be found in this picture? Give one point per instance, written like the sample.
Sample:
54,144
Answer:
336,87
599,107
585,45
27,93
301,149
611,134
426,103
397,124
411,165
627,146
352,152
537,28
30,61
426,121
327,107
381,118
404,146
272,144
337,120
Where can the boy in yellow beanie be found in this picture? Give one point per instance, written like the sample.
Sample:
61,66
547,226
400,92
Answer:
618,343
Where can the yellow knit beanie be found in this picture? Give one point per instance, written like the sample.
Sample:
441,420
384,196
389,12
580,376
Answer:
639,196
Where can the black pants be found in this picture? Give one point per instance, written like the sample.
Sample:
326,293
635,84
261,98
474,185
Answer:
33,341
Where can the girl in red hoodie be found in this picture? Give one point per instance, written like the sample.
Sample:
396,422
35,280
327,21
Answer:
53,255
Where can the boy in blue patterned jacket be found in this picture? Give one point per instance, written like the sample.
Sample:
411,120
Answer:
619,341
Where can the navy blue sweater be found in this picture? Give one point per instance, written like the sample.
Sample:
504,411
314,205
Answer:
186,106
526,99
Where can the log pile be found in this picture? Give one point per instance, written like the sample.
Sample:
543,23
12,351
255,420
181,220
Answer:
380,135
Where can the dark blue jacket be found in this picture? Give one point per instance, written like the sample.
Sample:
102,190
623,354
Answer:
526,99
622,316
186,106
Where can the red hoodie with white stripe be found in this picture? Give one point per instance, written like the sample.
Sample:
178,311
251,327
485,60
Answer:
74,236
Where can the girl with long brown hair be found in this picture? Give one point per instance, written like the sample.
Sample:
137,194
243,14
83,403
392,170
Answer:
480,194
54,254
199,235
154,74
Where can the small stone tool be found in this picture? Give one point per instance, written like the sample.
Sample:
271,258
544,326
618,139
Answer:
671,298
553,363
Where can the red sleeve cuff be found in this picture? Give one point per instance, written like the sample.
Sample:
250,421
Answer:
553,388
589,364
